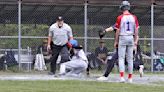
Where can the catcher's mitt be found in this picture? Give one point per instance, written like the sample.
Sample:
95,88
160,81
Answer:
101,33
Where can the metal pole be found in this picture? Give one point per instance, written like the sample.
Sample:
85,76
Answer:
85,26
152,36
19,32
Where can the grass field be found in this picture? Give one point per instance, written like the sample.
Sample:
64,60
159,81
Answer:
76,86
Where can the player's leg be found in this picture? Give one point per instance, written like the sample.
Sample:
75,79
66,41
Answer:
141,70
121,59
88,69
139,59
62,69
110,65
64,66
76,66
129,58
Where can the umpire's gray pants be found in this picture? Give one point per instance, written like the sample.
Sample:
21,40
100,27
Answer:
125,48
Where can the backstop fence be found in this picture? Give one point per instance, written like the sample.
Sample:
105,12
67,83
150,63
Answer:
26,30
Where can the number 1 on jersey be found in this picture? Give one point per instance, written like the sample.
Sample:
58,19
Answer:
128,26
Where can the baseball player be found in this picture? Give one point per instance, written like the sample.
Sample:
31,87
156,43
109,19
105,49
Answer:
138,63
126,38
58,38
77,64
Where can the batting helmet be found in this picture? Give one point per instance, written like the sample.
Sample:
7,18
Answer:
125,5
74,43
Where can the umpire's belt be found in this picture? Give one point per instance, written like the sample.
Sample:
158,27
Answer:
54,45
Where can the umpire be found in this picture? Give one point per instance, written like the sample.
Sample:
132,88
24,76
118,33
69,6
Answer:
58,38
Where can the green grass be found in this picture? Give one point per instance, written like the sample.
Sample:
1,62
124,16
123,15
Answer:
74,86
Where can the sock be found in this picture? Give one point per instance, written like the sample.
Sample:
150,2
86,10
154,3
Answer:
121,74
129,76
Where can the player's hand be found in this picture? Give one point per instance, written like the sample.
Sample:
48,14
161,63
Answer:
115,44
104,62
135,43
135,49
48,48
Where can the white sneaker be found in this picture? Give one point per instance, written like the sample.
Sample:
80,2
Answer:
122,80
141,70
102,78
130,80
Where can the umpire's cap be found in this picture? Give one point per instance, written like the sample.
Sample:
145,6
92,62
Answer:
59,18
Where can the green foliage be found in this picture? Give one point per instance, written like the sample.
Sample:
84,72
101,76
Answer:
8,30
41,30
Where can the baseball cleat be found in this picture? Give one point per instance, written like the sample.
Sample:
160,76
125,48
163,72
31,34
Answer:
130,80
102,78
122,80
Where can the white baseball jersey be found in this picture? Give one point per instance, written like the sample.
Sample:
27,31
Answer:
80,55
61,35
127,23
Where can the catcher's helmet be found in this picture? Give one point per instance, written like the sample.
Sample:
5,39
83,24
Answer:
125,5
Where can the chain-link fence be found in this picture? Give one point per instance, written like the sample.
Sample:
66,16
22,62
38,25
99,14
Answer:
36,19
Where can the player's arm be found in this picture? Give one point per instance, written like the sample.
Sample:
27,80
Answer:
136,37
50,34
117,27
111,28
49,40
103,32
70,36
116,38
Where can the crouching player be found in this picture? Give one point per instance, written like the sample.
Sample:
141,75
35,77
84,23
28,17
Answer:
77,64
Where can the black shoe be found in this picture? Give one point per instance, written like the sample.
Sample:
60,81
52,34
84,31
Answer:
51,73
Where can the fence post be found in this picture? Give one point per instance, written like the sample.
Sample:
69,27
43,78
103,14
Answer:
19,32
85,25
152,36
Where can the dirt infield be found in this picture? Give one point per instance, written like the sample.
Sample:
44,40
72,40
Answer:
148,79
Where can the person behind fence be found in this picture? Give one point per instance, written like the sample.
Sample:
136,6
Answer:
8,60
58,38
101,53
77,64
